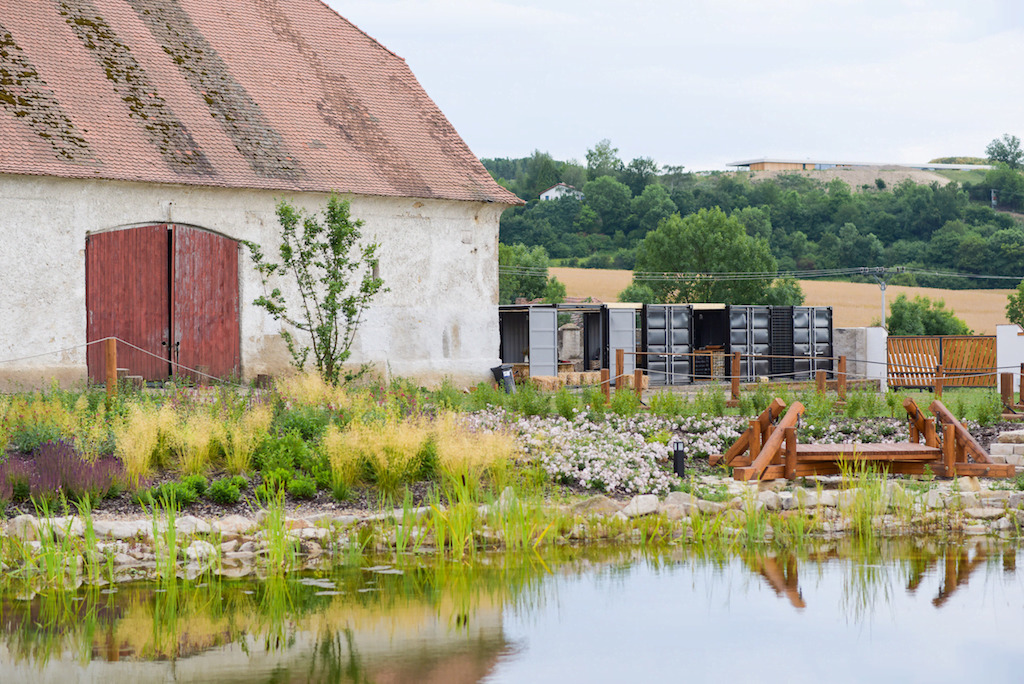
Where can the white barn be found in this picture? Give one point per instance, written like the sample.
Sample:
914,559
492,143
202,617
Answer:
140,140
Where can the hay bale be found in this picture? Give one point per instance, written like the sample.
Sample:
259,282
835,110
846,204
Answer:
548,383
570,378
590,378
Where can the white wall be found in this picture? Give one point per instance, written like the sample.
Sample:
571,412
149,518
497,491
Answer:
1010,351
439,259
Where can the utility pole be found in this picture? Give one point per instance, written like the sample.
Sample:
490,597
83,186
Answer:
882,275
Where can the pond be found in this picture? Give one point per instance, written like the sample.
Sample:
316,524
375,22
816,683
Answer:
910,610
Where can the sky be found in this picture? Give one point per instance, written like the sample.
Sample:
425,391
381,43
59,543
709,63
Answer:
701,83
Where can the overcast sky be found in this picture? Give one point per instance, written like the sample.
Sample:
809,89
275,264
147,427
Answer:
706,82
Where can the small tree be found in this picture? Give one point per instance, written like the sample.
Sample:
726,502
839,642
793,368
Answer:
1015,305
1006,150
922,316
335,278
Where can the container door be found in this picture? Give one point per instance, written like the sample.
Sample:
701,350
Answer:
622,335
655,340
822,337
205,303
543,341
760,340
679,337
803,322
126,296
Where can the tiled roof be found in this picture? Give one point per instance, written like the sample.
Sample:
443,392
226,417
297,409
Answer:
274,94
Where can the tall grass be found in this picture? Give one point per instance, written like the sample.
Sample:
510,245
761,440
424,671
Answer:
143,439
197,443
243,435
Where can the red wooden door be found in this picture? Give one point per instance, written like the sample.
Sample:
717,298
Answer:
205,302
127,276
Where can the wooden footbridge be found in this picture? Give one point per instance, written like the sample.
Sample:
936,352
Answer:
768,449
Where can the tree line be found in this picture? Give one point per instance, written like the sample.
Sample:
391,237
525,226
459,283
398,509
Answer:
632,215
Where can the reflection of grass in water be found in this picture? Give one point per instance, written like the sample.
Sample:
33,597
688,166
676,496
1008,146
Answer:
174,619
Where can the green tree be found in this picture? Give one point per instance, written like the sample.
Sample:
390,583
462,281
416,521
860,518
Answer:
1015,305
649,209
603,160
610,199
785,292
638,293
554,291
681,257
522,272
335,280
1006,150
639,173
922,316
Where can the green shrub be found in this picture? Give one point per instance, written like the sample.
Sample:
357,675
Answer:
667,404
625,402
226,491
302,487
287,452
309,422
484,396
711,402
447,396
197,483
530,401
29,437
566,404
989,409
429,463
593,397
180,493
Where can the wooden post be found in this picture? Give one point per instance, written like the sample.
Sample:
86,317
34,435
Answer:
931,437
949,448
755,438
1021,379
819,379
790,453
606,387
938,381
841,379
620,364
638,382
111,358
1006,389
735,376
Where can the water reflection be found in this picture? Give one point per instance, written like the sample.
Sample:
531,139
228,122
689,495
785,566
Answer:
420,622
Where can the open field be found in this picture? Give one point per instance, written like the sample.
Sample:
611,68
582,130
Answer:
854,304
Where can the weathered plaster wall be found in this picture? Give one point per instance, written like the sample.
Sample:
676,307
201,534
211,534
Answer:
439,259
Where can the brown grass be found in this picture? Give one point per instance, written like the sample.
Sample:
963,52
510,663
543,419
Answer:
853,304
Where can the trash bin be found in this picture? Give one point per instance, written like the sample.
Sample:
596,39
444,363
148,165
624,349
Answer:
503,376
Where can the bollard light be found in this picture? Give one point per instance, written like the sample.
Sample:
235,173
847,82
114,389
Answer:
679,458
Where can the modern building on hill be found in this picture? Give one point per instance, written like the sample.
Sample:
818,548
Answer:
773,164
142,140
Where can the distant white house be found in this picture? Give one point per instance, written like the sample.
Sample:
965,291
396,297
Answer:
559,191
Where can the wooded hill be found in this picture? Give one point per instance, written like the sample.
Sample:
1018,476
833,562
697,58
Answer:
806,223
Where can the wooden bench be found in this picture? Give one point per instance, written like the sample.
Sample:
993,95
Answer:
768,449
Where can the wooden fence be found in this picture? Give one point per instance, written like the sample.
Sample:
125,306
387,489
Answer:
959,361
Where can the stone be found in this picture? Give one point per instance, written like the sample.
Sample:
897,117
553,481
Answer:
770,500
311,548
807,498
314,533
776,485
1000,449
23,527
986,513
829,498
124,559
67,526
641,504
1015,500
345,520
1003,524
968,484
229,546
1011,437
934,500
233,524
789,501
236,572
190,524
200,550
597,505
672,511
975,530
249,547
710,507
122,529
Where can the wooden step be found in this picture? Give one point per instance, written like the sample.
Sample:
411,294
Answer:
867,452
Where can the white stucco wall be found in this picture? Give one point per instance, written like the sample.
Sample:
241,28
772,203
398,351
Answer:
439,259
1010,351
